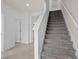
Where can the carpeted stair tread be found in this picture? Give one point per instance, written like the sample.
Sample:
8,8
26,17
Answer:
58,46
50,36
58,41
59,56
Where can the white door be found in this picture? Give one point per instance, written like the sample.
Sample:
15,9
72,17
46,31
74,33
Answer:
18,30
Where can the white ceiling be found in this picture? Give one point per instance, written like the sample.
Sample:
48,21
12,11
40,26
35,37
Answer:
35,5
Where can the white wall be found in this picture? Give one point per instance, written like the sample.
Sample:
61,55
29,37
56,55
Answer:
69,9
54,5
72,7
13,33
2,33
9,27
12,26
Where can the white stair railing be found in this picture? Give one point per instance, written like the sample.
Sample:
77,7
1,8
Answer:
39,33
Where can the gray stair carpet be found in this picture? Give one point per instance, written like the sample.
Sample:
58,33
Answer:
57,43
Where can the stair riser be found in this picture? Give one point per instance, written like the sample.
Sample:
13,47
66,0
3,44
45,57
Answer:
60,44
57,22
55,37
58,29
54,26
62,28
58,47
58,32
57,25
54,20
50,41
67,39
52,36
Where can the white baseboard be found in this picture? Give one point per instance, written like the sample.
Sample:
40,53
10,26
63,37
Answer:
72,27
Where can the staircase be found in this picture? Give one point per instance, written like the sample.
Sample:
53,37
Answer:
57,44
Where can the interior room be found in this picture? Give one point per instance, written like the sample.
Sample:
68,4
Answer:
39,29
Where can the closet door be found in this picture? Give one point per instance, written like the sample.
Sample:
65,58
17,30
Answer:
18,30
25,30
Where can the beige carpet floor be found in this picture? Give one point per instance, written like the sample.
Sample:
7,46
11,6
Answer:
21,51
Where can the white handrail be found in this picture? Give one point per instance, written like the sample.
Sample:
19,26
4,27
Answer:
37,26
39,21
